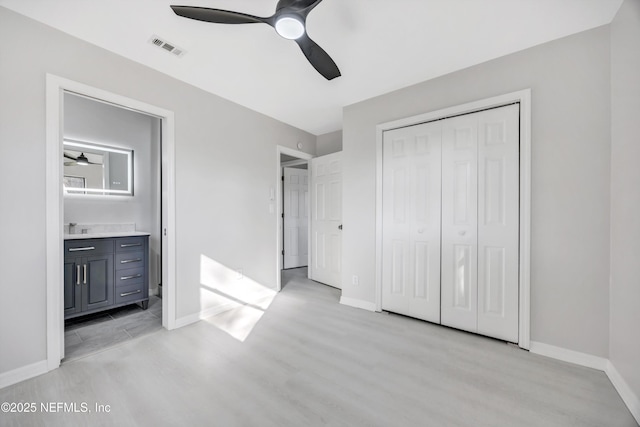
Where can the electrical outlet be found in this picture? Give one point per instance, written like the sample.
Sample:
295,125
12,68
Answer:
354,280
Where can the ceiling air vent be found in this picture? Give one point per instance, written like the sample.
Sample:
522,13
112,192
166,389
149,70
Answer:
169,47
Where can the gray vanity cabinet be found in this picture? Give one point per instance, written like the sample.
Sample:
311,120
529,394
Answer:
103,273
88,283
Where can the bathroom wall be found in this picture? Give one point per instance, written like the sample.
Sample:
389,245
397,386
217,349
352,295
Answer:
97,122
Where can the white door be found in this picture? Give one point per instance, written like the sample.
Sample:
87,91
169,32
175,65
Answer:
411,221
460,222
296,217
326,219
454,182
480,222
498,222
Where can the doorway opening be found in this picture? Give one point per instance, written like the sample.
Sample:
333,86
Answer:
100,314
292,208
56,89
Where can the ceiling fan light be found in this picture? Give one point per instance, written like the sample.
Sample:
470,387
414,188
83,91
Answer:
82,160
289,28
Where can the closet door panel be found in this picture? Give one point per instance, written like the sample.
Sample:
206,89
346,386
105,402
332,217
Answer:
411,221
498,222
459,222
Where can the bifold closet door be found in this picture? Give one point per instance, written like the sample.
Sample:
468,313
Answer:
480,222
460,222
498,222
411,221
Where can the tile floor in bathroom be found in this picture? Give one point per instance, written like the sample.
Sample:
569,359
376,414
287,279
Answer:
97,332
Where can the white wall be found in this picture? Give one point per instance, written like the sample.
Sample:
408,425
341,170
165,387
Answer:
225,166
92,121
625,195
570,80
329,143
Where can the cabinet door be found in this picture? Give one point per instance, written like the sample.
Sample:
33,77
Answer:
97,282
72,286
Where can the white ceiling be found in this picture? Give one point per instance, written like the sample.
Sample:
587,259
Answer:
379,45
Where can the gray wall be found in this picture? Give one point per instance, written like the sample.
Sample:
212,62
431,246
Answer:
569,79
329,143
625,193
225,165
100,123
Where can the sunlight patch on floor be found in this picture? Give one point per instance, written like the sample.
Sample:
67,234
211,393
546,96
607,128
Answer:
244,299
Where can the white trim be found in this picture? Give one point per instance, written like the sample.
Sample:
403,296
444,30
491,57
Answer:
358,303
524,98
628,396
278,190
291,163
594,362
54,219
571,356
55,87
23,373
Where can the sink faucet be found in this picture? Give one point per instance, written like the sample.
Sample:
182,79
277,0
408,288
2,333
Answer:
72,227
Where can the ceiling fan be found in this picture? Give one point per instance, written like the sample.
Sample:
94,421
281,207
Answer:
289,21
81,160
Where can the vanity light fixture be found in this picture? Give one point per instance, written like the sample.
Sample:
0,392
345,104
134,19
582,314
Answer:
82,160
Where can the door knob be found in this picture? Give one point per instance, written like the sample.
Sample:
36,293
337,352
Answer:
340,227
462,232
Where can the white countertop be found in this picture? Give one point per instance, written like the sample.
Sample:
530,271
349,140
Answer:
105,235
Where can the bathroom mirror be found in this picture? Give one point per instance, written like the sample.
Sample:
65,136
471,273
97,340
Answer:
96,169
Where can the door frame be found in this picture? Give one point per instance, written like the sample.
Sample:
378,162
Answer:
55,88
280,149
524,98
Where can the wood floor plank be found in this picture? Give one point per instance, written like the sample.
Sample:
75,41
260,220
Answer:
306,360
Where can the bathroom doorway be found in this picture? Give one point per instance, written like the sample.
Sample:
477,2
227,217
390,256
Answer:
111,187
56,89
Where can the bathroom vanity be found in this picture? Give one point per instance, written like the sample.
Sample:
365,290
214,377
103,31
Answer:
105,270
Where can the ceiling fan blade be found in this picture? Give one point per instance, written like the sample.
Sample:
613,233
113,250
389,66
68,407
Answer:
297,5
216,15
320,59
69,157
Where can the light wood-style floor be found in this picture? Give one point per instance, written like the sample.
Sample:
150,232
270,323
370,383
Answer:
309,361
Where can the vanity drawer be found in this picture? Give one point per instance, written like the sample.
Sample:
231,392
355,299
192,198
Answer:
127,244
130,293
127,260
129,276
84,247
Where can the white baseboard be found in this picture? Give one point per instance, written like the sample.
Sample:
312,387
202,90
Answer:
600,363
628,396
23,373
571,356
357,303
195,317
